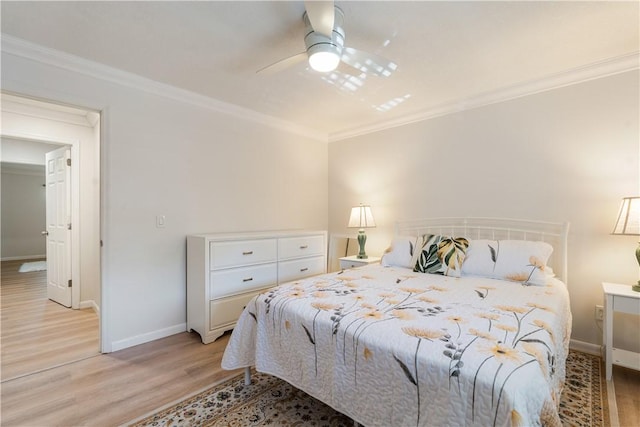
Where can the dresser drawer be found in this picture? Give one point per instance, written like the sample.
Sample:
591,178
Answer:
299,268
238,253
294,247
239,280
227,311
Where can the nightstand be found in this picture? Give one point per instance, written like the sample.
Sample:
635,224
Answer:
618,298
353,261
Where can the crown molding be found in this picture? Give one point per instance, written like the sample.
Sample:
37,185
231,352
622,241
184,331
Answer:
596,70
28,107
22,48
18,47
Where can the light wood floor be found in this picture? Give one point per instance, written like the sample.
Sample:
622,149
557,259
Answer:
37,333
111,389
627,385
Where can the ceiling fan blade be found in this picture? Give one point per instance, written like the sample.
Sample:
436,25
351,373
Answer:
321,15
283,64
368,62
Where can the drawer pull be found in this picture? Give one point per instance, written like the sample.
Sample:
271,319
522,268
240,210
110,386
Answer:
247,253
304,269
304,246
247,279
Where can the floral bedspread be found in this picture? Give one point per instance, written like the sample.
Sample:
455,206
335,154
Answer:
391,347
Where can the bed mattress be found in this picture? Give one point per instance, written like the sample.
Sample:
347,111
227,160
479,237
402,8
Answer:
391,347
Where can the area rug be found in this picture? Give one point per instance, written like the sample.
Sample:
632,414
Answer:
28,267
273,402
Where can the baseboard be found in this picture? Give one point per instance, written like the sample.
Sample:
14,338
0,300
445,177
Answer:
150,336
586,347
90,304
24,257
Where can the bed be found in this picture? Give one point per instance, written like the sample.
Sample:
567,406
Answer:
465,322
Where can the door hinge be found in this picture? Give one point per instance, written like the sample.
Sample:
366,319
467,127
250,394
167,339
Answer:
69,226
68,162
69,283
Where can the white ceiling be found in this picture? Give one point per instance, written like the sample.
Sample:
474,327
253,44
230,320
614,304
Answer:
447,52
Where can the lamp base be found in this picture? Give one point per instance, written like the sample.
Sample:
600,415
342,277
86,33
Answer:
362,239
636,287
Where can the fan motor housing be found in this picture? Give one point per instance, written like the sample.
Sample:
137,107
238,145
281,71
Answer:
315,41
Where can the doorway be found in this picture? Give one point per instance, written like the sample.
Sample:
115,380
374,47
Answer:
28,122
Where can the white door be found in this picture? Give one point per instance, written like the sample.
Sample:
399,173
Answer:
58,215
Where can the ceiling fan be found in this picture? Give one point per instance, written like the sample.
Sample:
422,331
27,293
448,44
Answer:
325,49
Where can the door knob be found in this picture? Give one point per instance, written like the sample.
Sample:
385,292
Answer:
44,233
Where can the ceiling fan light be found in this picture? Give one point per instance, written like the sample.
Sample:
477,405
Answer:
324,61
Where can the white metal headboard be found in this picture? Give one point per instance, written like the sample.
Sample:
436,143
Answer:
556,234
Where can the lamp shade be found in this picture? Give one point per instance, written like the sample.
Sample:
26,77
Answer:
628,222
361,217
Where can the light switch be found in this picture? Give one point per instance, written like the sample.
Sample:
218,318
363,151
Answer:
160,220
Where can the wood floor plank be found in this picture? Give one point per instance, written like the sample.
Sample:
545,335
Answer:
627,385
37,333
111,389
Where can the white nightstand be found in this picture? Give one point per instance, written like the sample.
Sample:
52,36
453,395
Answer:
353,261
618,298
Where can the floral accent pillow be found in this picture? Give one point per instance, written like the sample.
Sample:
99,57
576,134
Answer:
441,255
515,260
401,252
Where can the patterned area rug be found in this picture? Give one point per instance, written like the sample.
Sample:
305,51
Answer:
271,401
584,398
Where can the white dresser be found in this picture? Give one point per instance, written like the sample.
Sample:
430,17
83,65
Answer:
224,271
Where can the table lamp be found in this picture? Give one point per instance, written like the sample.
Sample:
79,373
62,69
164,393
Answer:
361,217
628,224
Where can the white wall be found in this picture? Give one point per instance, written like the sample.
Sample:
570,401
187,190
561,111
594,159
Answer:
23,211
23,202
24,152
205,171
569,154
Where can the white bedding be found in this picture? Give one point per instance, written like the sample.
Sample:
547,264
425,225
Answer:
391,347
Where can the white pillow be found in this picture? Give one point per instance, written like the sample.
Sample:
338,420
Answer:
516,260
401,252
